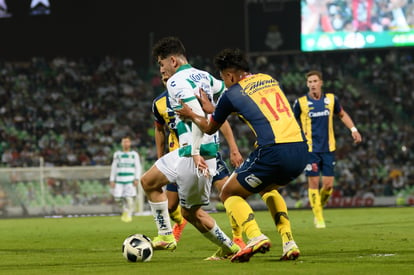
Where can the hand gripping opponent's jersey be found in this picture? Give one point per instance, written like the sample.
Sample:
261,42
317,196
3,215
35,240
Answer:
183,86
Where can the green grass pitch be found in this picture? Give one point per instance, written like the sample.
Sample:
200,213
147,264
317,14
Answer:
356,241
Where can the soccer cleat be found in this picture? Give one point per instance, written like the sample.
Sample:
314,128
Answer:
224,253
178,230
260,244
290,251
164,242
319,224
239,242
125,217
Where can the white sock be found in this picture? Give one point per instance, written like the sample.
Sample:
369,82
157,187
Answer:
129,205
162,219
120,202
217,236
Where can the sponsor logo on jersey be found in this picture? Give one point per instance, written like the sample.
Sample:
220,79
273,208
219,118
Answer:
252,180
198,77
253,87
319,114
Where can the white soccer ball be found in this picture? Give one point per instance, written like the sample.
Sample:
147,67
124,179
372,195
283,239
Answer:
137,248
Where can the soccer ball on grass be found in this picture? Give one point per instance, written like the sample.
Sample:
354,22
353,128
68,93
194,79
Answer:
137,248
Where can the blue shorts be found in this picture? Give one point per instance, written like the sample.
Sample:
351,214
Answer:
320,163
222,169
272,164
222,172
173,187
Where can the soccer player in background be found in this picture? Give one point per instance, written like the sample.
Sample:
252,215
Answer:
124,178
315,112
280,154
165,122
191,166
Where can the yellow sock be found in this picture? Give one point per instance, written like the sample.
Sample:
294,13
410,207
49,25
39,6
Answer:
243,215
315,202
278,209
325,195
176,215
236,230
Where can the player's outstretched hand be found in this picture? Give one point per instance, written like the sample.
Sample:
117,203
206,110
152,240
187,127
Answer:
185,112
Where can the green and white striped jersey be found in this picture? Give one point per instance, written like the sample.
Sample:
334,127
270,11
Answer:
183,86
126,167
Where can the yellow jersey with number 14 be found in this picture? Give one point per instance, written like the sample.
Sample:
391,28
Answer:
261,103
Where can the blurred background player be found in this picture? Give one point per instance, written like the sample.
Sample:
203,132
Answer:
165,122
279,157
124,178
191,166
315,111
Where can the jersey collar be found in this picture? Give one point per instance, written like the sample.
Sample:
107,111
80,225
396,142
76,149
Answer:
184,67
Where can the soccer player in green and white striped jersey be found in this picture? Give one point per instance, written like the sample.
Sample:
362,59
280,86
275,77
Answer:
124,178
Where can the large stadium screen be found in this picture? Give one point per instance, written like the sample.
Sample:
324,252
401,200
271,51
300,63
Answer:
356,24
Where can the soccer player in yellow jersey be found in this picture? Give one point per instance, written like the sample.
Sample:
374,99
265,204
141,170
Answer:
280,154
315,112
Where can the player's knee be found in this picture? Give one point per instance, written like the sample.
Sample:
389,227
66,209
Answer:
145,182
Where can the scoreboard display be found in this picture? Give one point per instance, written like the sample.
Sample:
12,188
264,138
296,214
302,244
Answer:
356,24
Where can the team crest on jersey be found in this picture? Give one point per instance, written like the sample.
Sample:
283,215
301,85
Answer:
326,100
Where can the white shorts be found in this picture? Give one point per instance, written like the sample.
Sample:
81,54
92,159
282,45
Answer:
124,190
193,189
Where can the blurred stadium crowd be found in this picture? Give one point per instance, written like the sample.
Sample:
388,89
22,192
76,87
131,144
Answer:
74,112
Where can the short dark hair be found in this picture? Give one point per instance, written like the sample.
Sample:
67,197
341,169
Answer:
314,72
168,46
231,58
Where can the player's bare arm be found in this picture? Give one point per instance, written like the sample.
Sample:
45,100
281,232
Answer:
159,139
205,125
236,158
346,119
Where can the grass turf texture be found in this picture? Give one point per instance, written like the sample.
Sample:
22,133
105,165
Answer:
356,241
